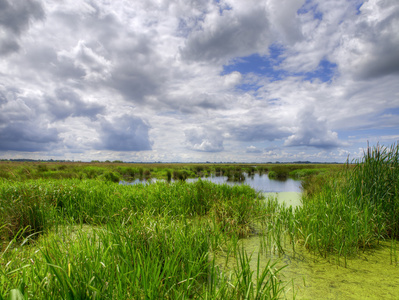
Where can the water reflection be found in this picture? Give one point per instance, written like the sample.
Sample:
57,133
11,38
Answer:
261,183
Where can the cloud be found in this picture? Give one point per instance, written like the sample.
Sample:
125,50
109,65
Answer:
215,77
286,21
204,139
15,18
312,132
124,133
238,31
67,103
29,135
23,125
266,131
94,66
253,149
369,50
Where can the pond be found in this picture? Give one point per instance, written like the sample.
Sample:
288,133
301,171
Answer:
286,191
261,183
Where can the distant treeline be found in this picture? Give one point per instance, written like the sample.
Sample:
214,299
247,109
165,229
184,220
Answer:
159,162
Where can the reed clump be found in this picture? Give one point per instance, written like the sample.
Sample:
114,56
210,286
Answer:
355,208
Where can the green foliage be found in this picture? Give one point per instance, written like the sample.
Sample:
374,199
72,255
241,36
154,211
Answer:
356,208
280,172
272,175
112,176
22,210
145,241
303,173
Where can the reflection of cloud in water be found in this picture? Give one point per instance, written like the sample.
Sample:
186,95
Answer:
261,183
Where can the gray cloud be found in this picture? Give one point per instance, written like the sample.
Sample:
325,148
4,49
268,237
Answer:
23,126
68,103
368,44
135,82
384,38
125,133
267,131
15,18
253,149
233,33
28,135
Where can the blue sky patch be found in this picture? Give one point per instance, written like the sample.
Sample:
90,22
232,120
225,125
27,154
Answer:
308,7
324,72
259,65
391,111
267,66
358,6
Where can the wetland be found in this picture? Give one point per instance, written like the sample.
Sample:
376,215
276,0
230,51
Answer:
200,231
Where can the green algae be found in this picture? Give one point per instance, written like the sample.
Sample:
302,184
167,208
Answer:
372,274
287,198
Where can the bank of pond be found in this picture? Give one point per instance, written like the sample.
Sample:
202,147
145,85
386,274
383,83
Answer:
82,238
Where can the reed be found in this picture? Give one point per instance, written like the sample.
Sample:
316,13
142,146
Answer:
354,209
146,241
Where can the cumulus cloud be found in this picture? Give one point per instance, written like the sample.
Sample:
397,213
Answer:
15,18
204,139
241,30
94,66
125,133
23,125
369,50
84,76
312,131
68,103
266,131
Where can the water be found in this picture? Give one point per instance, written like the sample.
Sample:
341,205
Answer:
260,183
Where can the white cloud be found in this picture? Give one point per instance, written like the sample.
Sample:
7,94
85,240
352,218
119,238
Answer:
204,139
148,77
312,131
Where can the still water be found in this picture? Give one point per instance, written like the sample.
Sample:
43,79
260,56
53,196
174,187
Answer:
261,183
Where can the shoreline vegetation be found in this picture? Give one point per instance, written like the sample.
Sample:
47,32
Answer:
71,231
118,171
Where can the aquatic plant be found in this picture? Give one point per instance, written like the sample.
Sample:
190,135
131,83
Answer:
99,239
354,209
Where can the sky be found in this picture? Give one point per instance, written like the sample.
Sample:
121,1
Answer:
198,80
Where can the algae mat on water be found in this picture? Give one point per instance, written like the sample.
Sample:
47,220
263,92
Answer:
287,198
369,276
373,274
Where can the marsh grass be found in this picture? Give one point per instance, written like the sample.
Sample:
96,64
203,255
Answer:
94,239
355,208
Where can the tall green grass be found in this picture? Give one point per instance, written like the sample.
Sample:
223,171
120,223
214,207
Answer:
354,209
151,258
37,204
93,239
